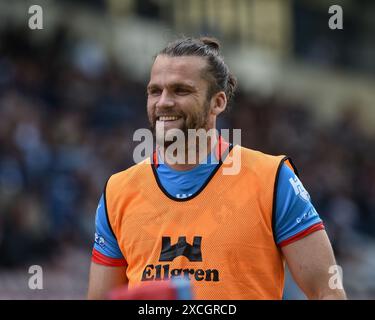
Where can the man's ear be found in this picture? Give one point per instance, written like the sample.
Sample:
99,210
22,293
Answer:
218,103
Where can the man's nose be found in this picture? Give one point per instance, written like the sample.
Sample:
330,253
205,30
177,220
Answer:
165,100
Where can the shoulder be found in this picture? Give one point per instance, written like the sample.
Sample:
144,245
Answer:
128,179
258,160
124,186
129,175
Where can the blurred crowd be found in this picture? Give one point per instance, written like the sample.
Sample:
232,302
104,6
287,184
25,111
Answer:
67,116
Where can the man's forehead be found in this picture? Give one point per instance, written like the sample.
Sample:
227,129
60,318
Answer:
189,67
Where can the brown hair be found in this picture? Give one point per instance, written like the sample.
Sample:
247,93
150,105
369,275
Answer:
220,78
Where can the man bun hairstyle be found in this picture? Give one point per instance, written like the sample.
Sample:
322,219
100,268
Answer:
213,43
217,72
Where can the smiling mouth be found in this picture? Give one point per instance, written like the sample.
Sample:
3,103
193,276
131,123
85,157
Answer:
167,118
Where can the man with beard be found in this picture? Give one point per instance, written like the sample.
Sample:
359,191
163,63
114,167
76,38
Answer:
228,235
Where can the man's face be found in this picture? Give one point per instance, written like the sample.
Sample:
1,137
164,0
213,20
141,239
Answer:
177,94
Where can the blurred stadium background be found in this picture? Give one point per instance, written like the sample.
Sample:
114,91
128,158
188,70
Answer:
72,94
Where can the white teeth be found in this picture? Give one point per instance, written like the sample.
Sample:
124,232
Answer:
168,118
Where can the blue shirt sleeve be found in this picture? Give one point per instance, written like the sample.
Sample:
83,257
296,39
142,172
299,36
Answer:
105,241
294,210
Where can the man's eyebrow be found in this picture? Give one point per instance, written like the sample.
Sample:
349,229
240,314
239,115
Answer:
152,86
173,85
182,84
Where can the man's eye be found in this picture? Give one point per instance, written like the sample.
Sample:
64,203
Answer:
182,91
154,92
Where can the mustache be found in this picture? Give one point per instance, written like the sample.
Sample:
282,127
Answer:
168,114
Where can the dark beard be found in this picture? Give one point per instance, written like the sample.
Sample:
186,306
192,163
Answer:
190,122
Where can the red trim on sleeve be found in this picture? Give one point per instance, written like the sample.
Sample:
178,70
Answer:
302,234
221,147
100,258
155,159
